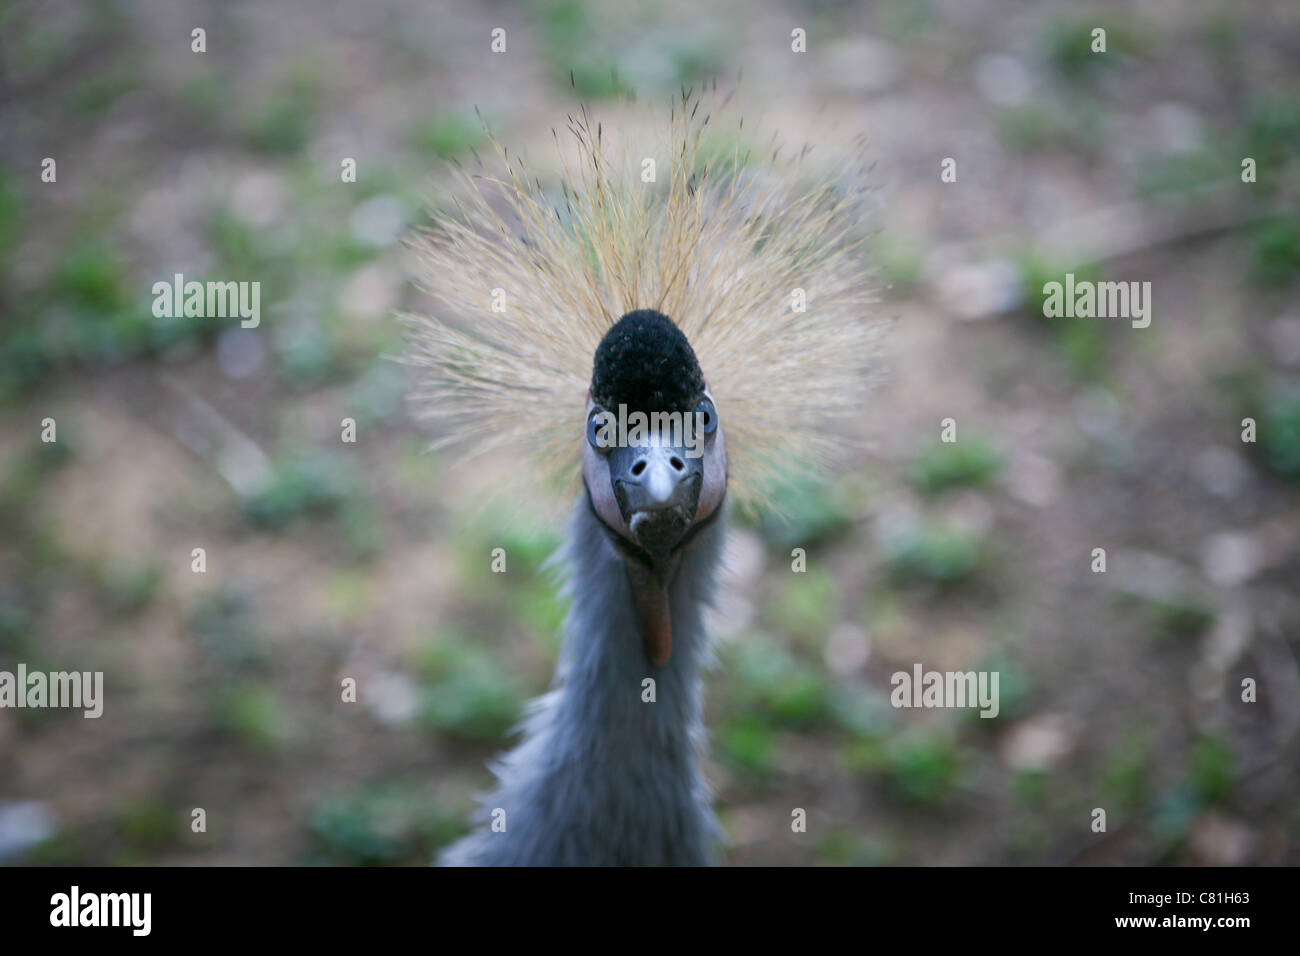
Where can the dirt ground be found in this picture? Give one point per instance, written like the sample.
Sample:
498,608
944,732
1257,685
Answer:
1120,690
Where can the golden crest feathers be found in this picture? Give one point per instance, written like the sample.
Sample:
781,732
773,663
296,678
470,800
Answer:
758,260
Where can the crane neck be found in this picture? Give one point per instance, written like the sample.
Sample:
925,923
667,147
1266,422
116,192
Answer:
607,771
604,668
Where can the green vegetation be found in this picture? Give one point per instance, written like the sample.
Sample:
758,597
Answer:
1030,787
1213,769
747,744
89,311
574,51
285,123
934,553
923,767
447,135
1273,134
308,353
811,512
238,246
1279,435
468,693
1049,124
251,713
1184,175
1015,688
920,766
697,56
1036,272
380,825
130,588
806,606
91,277
1181,616
1270,135
224,624
1068,46
540,610
300,486
202,97
524,600
1081,342
900,260
15,626
1275,252
860,712
971,462
149,826
1210,779
1126,774
771,685
11,214
95,94
530,543
767,690
907,20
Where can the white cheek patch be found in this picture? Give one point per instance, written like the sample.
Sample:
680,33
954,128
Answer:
715,477
595,473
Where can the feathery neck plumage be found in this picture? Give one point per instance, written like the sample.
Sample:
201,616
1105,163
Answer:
603,664
604,776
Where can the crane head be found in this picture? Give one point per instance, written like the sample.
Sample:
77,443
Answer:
654,458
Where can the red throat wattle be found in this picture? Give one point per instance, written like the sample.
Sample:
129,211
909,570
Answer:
653,613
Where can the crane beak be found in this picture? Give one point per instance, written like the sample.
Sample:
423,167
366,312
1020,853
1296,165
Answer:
650,496
657,489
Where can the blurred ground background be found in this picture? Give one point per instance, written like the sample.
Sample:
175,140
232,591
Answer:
324,560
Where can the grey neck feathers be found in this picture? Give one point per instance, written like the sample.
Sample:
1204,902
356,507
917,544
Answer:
603,776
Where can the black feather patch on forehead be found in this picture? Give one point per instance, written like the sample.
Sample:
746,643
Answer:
645,363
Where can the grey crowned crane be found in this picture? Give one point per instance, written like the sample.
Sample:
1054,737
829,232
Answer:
732,295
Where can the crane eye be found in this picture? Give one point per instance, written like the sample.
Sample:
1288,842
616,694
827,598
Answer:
706,416
596,420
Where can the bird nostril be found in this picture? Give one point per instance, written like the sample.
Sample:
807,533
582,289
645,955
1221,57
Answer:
638,467
676,463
